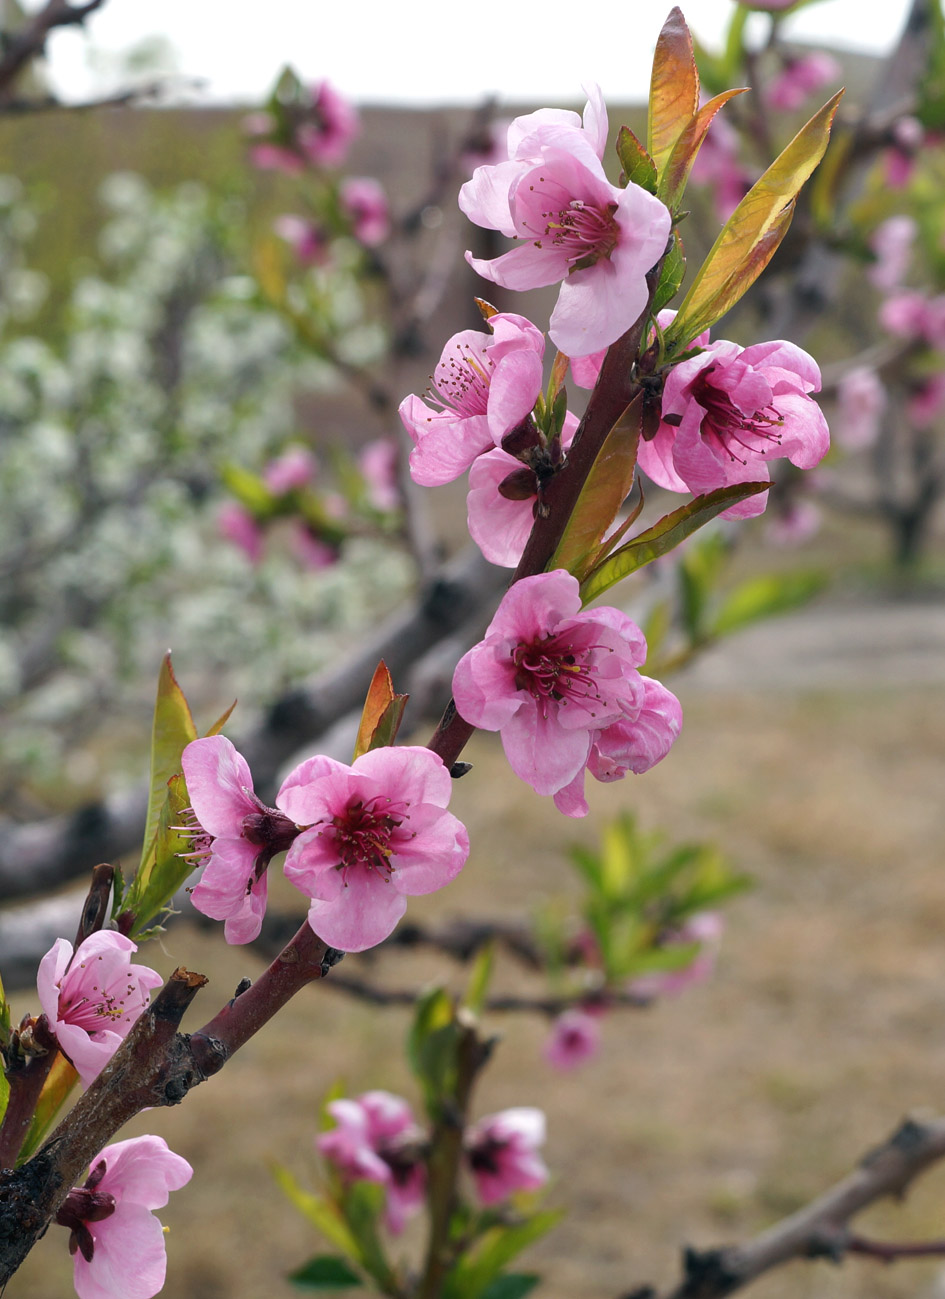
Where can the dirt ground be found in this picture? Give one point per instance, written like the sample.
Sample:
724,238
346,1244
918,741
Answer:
711,1115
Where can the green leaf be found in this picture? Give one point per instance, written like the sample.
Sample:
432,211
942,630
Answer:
59,1083
171,731
479,978
325,1272
249,490
674,88
638,167
514,1285
664,536
671,276
363,1205
752,234
323,1215
497,1247
431,1047
930,109
152,888
765,596
607,487
675,175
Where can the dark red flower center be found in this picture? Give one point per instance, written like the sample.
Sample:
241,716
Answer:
584,231
82,1205
556,671
739,433
363,834
462,383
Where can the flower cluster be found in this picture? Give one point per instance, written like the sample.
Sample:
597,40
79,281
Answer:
317,129
360,839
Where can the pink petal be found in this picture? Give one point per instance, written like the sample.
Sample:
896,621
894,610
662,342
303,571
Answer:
363,915
435,857
216,777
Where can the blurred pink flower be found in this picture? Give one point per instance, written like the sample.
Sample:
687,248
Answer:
926,401
575,1037
799,78
501,1151
235,836
378,464
378,832
364,201
117,1242
309,241
483,386
377,1140
728,411
310,550
548,677
911,314
333,125
575,227
296,467
908,137
276,157
236,524
861,402
704,928
92,997
891,241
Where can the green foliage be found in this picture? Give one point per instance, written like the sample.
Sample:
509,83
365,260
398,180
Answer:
59,1083
765,596
431,1047
481,1266
638,167
671,276
324,1272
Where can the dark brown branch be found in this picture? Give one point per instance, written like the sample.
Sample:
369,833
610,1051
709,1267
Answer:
889,1251
30,42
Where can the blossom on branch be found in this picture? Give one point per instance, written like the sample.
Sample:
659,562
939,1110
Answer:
573,225
549,678
117,1242
365,203
378,833
234,834
574,1038
377,1140
483,386
729,410
92,997
501,1152
704,928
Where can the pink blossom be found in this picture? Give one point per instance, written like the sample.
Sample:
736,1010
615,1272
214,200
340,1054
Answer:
549,677
728,411
911,314
501,1150
295,468
891,241
364,201
117,1242
236,524
377,1140
861,400
378,833
327,136
908,136
575,227
378,464
92,997
575,1037
585,370
799,78
635,742
704,928
311,550
926,401
500,521
234,834
276,157
309,241
484,385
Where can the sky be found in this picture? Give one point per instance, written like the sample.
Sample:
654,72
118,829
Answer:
424,51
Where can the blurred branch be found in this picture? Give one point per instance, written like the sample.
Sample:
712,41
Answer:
29,43
821,1229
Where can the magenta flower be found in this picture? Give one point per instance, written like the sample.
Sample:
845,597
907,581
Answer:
892,242
926,401
333,124
501,1150
365,203
378,464
378,833
574,1038
799,78
908,137
310,243
311,550
548,677
483,386
377,1140
910,314
575,227
635,742
704,928
861,401
728,411
234,834
92,997
236,524
502,498
295,468
117,1241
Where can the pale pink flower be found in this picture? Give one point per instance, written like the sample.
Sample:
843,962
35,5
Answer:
575,1038
891,241
635,742
549,677
377,1140
310,550
235,836
236,524
117,1241
378,833
365,203
575,227
309,241
728,411
704,928
861,401
799,78
333,123
501,1152
500,521
92,997
911,314
908,136
483,386
295,468
378,464
276,157
926,401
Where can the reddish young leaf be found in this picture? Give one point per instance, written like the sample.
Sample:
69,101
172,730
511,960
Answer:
675,174
379,697
674,88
